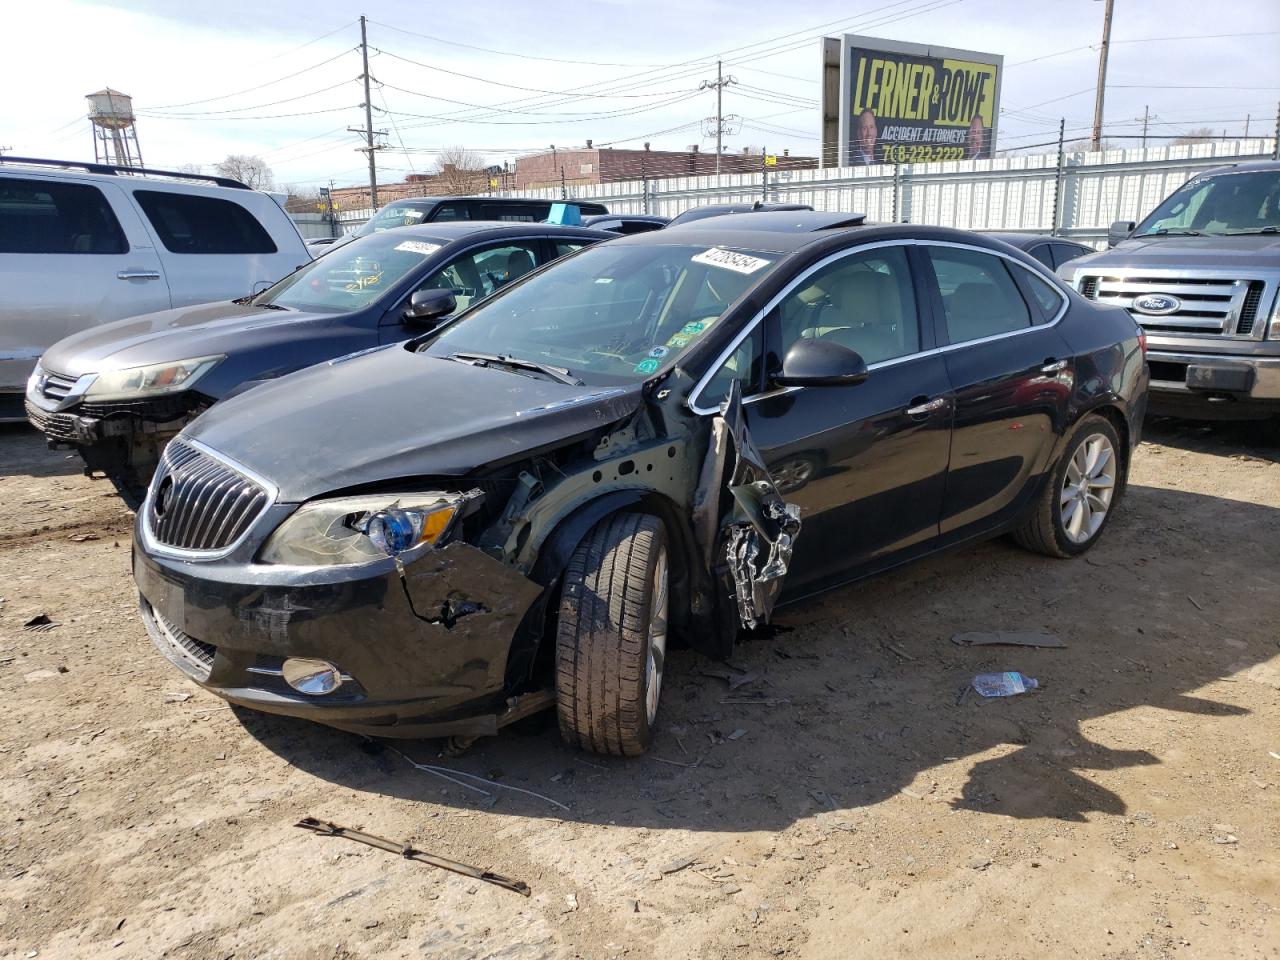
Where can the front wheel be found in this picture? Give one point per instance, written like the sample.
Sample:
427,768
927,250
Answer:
1070,513
611,636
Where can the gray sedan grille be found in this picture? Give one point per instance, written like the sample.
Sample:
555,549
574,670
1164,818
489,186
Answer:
199,502
56,385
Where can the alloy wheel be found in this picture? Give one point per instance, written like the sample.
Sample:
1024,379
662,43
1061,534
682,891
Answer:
657,639
1087,488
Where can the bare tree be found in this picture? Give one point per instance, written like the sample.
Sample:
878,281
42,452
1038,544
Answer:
1199,135
459,170
1084,146
252,171
302,199
191,168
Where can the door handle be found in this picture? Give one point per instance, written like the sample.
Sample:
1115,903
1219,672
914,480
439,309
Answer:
922,409
138,275
1054,366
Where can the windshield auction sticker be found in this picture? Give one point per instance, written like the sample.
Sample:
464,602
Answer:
418,246
737,262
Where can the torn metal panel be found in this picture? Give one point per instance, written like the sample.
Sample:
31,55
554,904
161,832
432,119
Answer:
760,528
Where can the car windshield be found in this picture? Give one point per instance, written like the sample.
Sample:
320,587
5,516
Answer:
1229,203
612,313
351,276
402,213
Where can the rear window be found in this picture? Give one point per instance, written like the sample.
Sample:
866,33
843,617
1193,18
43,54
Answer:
39,216
208,225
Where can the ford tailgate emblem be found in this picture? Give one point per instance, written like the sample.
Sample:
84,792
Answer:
1157,304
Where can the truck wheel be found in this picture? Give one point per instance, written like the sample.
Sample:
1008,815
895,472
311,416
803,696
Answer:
611,636
1069,515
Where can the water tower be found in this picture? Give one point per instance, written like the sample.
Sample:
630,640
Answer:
115,139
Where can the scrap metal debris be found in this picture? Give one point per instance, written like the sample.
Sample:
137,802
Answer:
451,775
327,829
761,528
1008,638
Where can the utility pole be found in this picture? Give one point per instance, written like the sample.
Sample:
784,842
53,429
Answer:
1275,148
718,84
368,132
1096,142
1146,118
1247,118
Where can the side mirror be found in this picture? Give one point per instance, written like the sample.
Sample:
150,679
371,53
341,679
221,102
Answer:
427,305
1118,231
821,363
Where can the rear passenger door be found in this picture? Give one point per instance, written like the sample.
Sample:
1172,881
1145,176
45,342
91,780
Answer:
1011,373
212,247
72,255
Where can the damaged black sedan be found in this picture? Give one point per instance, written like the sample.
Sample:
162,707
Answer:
656,439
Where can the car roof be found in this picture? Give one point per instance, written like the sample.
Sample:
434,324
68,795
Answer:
483,198
640,217
1025,241
741,232
463,229
782,221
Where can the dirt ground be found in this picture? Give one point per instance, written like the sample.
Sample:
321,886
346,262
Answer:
848,802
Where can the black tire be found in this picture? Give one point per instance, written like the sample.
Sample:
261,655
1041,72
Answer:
602,635
1042,529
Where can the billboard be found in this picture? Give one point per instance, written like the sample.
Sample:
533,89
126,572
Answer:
884,101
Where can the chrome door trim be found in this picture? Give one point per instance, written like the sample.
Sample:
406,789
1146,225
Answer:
749,326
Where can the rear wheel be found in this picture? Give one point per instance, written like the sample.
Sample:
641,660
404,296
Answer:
1069,515
611,636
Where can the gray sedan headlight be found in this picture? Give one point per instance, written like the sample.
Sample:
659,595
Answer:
153,380
352,530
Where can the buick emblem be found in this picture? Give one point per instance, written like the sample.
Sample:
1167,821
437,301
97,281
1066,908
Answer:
162,491
1157,304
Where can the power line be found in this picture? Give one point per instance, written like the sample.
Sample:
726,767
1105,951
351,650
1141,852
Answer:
269,83
196,114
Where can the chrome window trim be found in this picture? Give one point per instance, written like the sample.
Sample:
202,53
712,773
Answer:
755,321
177,553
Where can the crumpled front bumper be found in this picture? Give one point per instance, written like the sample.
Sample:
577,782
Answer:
425,653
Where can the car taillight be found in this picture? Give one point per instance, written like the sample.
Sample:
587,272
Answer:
1142,340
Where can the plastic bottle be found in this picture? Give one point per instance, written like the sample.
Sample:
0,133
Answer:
1003,684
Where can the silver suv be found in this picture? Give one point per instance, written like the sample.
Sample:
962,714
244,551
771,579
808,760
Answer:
1201,275
82,244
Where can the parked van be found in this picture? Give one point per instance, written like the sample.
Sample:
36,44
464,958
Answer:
84,243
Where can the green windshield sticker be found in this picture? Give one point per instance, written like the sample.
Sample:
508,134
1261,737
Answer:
648,365
696,327
679,340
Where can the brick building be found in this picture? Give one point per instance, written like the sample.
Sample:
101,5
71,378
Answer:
589,165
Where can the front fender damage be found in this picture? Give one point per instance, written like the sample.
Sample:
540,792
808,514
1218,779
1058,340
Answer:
759,528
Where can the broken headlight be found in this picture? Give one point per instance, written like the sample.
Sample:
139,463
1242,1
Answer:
352,530
153,380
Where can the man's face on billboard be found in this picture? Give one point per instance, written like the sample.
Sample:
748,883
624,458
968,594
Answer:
977,136
867,131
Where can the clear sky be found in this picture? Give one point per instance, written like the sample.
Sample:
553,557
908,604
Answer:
278,79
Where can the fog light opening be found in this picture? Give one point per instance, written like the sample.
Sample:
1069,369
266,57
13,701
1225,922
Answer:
315,678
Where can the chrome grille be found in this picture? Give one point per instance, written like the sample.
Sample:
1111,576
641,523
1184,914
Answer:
57,385
1207,305
199,502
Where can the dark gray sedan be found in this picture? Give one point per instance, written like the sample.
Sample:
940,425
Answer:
119,392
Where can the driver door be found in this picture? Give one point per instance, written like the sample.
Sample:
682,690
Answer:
866,464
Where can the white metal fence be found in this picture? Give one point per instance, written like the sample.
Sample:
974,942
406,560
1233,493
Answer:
1078,197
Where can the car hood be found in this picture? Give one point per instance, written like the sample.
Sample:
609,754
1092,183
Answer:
181,334
389,413
1256,250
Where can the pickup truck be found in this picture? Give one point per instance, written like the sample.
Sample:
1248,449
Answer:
1201,276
